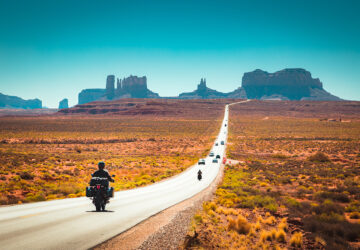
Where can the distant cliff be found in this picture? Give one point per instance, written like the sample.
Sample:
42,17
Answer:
14,102
129,87
287,84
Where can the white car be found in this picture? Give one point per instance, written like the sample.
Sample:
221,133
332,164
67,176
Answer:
201,162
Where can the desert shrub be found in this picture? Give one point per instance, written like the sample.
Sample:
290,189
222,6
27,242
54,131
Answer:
257,226
328,207
280,236
263,201
285,180
207,206
283,225
265,236
36,197
296,239
319,157
198,218
240,225
26,176
354,215
270,220
252,232
341,197
334,230
290,202
354,206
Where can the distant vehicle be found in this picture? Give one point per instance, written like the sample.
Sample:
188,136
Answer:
199,175
215,160
201,162
218,157
225,125
211,154
216,144
222,143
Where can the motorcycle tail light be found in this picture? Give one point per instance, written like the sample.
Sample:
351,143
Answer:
98,186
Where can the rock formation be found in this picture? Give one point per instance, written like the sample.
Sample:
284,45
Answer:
110,87
14,102
238,93
64,104
287,84
202,92
130,87
90,95
134,87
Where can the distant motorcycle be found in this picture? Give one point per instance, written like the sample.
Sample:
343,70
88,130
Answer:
199,175
100,192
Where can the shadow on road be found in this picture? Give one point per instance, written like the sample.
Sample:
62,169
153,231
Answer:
106,211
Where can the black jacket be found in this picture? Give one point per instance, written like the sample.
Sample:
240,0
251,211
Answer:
103,173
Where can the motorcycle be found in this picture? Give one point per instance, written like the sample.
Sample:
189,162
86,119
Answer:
100,192
199,175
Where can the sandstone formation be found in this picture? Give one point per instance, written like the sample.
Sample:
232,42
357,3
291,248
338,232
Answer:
202,92
64,104
14,102
130,87
287,84
110,87
90,95
238,93
134,87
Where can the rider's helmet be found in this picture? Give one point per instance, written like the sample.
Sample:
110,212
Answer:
101,165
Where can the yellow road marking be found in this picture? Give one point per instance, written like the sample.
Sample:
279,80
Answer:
29,215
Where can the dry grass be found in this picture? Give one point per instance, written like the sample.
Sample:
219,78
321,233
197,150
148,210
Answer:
52,157
296,239
298,173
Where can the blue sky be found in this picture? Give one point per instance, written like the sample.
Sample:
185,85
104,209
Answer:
53,49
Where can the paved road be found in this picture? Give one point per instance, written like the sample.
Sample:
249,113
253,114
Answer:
73,223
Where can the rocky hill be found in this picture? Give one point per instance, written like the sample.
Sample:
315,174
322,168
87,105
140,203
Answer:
129,87
14,102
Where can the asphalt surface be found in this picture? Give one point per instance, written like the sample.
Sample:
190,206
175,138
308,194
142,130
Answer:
74,223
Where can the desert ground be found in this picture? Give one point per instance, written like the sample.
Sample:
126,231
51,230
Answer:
48,157
296,183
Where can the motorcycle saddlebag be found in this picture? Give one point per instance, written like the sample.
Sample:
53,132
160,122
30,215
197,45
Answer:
89,192
110,192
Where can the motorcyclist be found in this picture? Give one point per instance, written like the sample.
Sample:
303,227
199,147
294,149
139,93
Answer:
103,173
199,174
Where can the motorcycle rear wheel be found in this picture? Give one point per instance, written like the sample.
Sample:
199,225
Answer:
97,202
